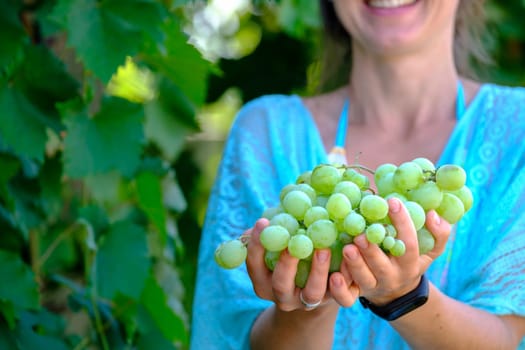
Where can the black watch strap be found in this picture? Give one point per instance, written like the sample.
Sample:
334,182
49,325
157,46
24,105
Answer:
402,305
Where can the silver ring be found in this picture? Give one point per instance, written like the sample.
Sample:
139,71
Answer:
308,306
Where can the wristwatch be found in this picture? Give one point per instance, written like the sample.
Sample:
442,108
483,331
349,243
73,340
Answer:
402,305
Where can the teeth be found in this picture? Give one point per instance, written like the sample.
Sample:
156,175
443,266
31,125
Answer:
390,3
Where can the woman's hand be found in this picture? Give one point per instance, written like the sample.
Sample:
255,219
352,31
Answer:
279,285
382,278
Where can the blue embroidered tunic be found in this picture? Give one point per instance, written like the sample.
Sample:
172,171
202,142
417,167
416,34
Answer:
274,139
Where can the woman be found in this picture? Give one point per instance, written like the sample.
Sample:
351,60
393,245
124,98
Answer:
406,99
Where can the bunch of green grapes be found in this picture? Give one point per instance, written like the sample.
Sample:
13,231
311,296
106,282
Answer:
330,205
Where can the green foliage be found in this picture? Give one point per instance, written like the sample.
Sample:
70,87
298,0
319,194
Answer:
87,196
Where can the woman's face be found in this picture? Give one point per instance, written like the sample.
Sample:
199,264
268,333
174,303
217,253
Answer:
388,27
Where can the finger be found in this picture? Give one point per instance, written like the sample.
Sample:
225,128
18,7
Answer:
284,291
343,291
405,231
316,285
440,229
357,267
376,260
259,274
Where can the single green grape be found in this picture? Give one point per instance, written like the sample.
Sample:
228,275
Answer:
313,214
375,233
350,190
300,246
303,271
359,179
287,221
321,200
428,195
388,243
271,259
407,176
231,254
450,177
338,206
425,240
354,224
398,249
451,208
270,212
309,190
345,238
465,196
296,203
386,186
324,178
391,230
322,233
336,256
304,178
373,207
382,170
274,238
417,214
426,165
285,190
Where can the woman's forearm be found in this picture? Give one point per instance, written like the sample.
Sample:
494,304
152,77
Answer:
277,329
445,323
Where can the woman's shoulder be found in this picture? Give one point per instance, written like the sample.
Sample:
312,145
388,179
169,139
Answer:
500,93
270,109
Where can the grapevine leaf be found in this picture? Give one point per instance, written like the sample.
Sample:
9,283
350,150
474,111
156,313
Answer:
22,290
181,63
122,262
94,27
160,314
165,131
12,34
19,117
111,140
40,330
9,167
43,79
149,193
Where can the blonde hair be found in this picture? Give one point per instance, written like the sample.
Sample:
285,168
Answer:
469,48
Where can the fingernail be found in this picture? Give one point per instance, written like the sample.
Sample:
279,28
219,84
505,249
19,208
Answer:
361,242
437,218
395,205
350,254
338,282
322,256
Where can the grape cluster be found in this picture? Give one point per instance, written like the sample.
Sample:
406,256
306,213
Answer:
330,205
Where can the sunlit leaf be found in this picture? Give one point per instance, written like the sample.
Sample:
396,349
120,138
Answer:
104,33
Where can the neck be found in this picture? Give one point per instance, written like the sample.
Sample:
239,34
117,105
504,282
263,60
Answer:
404,91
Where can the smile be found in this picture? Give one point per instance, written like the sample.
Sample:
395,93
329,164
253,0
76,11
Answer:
389,3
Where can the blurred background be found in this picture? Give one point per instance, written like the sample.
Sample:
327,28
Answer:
113,114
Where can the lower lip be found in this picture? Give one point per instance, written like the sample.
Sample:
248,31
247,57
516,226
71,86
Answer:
385,11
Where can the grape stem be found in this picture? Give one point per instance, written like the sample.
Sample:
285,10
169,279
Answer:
360,167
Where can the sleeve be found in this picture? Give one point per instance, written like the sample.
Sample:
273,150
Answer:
225,305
